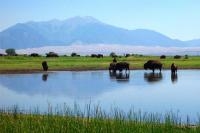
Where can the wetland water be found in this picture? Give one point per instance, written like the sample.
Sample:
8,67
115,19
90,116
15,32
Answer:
159,92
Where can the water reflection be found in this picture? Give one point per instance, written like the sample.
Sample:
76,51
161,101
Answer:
120,77
120,89
174,77
60,84
44,77
153,77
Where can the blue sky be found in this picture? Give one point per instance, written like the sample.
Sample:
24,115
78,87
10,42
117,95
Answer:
178,19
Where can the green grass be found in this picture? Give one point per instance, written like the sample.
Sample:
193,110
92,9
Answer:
88,63
91,120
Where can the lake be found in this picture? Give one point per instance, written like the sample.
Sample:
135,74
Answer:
159,92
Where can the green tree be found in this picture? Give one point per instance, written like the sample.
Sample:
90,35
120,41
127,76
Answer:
10,51
112,54
74,54
186,56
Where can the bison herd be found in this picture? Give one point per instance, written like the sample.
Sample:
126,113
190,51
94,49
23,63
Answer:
150,64
116,69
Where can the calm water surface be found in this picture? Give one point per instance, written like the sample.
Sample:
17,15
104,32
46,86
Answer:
159,92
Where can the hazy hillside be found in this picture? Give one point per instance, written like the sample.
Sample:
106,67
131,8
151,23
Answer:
195,42
86,30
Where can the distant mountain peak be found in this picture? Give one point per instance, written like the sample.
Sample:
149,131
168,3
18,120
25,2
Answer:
86,19
86,30
72,20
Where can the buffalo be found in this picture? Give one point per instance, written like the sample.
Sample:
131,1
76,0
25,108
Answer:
118,66
152,65
174,68
44,65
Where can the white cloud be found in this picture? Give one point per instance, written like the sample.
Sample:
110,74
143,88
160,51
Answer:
85,49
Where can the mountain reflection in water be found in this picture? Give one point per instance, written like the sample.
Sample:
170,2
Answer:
151,92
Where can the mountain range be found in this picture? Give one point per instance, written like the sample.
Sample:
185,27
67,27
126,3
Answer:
84,30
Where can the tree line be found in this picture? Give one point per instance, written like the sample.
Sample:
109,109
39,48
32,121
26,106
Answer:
12,52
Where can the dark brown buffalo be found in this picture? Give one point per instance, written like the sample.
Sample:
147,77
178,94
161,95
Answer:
118,66
44,65
152,65
174,68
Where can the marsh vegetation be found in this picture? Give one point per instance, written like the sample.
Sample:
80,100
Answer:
92,120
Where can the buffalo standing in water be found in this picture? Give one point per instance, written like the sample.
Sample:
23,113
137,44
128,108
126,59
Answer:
173,69
152,65
118,66
174,75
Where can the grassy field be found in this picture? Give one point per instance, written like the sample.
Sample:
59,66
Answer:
88,63
92,120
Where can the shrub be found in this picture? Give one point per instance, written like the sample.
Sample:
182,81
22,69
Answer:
162,57
93,55
2,54
97,55
112,54
11,52
127,55
177,57
100,56
51,54
34,55
73,54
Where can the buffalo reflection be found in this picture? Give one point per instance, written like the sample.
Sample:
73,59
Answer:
119,76
174,77
44,77
153,77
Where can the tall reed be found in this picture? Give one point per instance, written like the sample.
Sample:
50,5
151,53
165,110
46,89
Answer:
91,119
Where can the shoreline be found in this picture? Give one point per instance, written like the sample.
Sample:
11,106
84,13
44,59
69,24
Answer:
30,71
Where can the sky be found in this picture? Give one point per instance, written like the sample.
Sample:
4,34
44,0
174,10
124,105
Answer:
178,19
